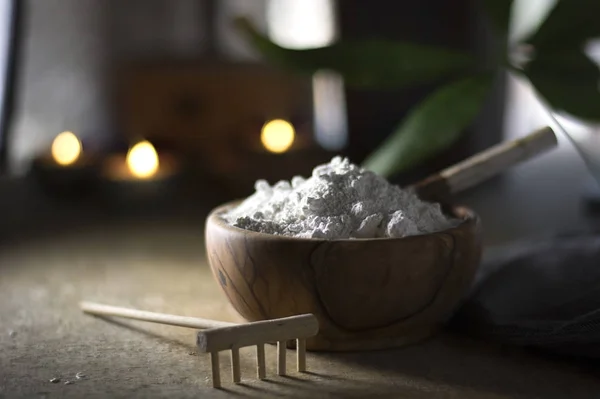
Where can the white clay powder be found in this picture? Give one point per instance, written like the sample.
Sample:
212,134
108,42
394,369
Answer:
339,200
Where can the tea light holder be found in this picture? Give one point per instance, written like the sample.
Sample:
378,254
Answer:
142,175
65,169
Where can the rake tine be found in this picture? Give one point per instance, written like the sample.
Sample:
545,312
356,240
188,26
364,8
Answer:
281,357
261,368
216,369
235,365
301,354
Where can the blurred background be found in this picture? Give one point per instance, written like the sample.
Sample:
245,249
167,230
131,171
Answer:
176,77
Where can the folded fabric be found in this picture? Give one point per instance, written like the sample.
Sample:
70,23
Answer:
543,294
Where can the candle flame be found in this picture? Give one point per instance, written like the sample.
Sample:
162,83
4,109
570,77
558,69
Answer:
277,135
142,160
66,148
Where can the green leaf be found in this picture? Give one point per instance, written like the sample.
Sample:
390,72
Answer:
568,81
373,64
569,25
499,12
432,126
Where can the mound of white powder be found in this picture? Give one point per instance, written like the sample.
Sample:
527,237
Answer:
339,200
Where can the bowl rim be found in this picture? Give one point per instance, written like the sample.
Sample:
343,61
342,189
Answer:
466,215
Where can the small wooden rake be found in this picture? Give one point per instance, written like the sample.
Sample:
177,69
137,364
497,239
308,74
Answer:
220,335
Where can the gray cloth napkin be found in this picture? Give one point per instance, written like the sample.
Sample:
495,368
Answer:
543,294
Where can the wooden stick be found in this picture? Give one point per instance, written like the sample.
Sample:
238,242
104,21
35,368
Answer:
161,318
261,367
281,357
240,335
484,165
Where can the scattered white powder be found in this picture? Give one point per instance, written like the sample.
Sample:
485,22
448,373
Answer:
339,200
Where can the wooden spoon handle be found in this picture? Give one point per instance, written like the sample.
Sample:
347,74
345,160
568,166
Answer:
161,318
484,165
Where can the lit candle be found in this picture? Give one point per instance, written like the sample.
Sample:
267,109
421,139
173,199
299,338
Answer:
277,136
141,163
142,160
142,172
66,149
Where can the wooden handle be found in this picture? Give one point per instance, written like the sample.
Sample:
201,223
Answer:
161,318
484,165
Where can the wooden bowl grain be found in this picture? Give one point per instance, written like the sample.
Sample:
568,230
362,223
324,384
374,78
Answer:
366,293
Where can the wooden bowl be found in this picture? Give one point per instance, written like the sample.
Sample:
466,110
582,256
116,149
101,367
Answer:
366,293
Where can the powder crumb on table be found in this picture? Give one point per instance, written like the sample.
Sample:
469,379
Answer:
340,200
